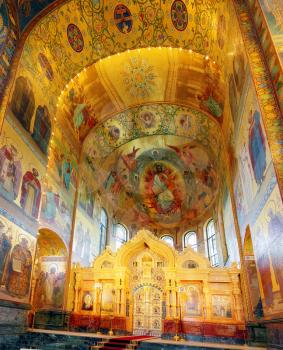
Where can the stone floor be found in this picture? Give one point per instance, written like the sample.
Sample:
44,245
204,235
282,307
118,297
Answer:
196,344
156,343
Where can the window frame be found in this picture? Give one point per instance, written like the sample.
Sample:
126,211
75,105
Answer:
189,234
211,243
121,241
103,225
171,238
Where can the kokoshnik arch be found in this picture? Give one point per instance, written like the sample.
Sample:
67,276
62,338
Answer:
143,114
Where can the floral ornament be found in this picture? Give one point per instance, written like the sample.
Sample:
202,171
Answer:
138,77
179,15
75,37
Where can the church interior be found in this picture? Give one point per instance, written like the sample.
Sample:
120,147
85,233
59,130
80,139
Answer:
141,174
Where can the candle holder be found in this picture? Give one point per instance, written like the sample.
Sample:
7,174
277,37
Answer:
111,330
176,336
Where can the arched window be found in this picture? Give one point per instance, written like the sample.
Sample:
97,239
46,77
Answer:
168,239
190,239
211,243
120,234
103,229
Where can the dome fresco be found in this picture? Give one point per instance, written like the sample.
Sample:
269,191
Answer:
160,186
156,166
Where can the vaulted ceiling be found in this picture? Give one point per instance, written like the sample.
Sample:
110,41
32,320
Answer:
75,34
141,86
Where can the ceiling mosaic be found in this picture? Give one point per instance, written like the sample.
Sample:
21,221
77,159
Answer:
140,77
79,32
158,161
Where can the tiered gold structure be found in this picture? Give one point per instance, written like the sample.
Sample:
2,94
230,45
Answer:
148,283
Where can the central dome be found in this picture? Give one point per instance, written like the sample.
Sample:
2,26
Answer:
161,187
155,166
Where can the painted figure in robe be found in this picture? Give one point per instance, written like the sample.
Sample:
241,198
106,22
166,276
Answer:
50,203
275,244
257,148
5,247
192,303
58,292
23,102
263,265
19,270
31,193
67,171
162,190
10,172
42,128
87,302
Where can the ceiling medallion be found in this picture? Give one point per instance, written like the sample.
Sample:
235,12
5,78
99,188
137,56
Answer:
123,18
179,15
75,37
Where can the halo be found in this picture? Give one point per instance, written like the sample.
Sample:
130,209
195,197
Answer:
51,266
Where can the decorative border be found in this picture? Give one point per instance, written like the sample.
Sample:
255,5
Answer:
9,217
267,98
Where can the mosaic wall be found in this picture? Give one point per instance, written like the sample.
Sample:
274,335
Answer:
269,24
86,245
274,15
34,197
8,39
253,174
17,248
49,272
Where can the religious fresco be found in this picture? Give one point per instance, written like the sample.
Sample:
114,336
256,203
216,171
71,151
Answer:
49,271
138,77
8,38
222,306
16,256
267,240
23,102
87,301
35,120
43,57
267,100
42,128
150,120
249,261
48,199
254,182
254,176
156,179
56,210
191,300
86,245
86,240
20,175
159,183
50,283
63,163
274,15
